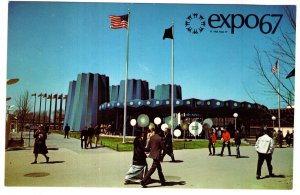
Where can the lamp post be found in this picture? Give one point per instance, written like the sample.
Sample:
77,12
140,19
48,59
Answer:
273,119
235,115
7,132
8,126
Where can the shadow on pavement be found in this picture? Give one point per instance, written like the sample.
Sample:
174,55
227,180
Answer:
244,157
52,148
230,156
168,183
176,161
274,176
16,149
52,162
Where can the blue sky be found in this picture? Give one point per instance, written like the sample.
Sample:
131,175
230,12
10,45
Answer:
50,43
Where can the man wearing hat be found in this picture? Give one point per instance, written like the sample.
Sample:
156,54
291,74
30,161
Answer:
264,147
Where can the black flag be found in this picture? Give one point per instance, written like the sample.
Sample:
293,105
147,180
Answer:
291,74
168,33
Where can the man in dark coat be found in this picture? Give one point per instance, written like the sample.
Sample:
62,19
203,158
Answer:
97,134
67,129
91,133
168,145
155,146
237,141
84,137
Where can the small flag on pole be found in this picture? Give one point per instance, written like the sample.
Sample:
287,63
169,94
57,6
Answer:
118,21
291,74
168,33
274,69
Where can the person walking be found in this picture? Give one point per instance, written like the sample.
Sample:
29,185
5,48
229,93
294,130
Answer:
237,141
67,129
139,166
168,149
40,144
226,142
150,133
91,133
264,147
212,139
97,134
84,137
280,138
288,138
155,146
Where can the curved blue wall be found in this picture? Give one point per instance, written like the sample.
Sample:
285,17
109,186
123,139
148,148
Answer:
84,97
136,89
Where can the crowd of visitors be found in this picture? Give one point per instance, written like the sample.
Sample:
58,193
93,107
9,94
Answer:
157,143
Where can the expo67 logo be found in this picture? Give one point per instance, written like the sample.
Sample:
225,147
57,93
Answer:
229,23
195,23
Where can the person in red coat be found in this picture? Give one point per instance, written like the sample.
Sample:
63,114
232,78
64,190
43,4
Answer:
226,141
212,138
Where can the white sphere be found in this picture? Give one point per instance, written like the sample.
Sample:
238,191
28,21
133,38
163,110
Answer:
157,120
164,126
133,122
177,132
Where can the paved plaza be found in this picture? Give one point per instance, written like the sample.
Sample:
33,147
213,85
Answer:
71,166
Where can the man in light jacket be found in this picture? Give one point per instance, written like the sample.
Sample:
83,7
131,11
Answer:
264,147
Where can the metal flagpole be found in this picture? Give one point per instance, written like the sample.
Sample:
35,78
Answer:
278,96
49,120
45,112
172,83
126,79
55,110
34,108
40,95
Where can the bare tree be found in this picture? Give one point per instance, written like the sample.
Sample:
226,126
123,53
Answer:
23,110
283,50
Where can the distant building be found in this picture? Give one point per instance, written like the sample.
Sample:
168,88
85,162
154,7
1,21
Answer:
151,93
114,93
163,92
85,95
136,89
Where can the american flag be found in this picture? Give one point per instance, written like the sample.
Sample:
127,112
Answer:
118,21
274,69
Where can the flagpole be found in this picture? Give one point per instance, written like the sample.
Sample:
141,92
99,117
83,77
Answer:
172,82
278,96
126,80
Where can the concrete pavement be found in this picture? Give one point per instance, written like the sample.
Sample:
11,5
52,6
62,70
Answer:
71,166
